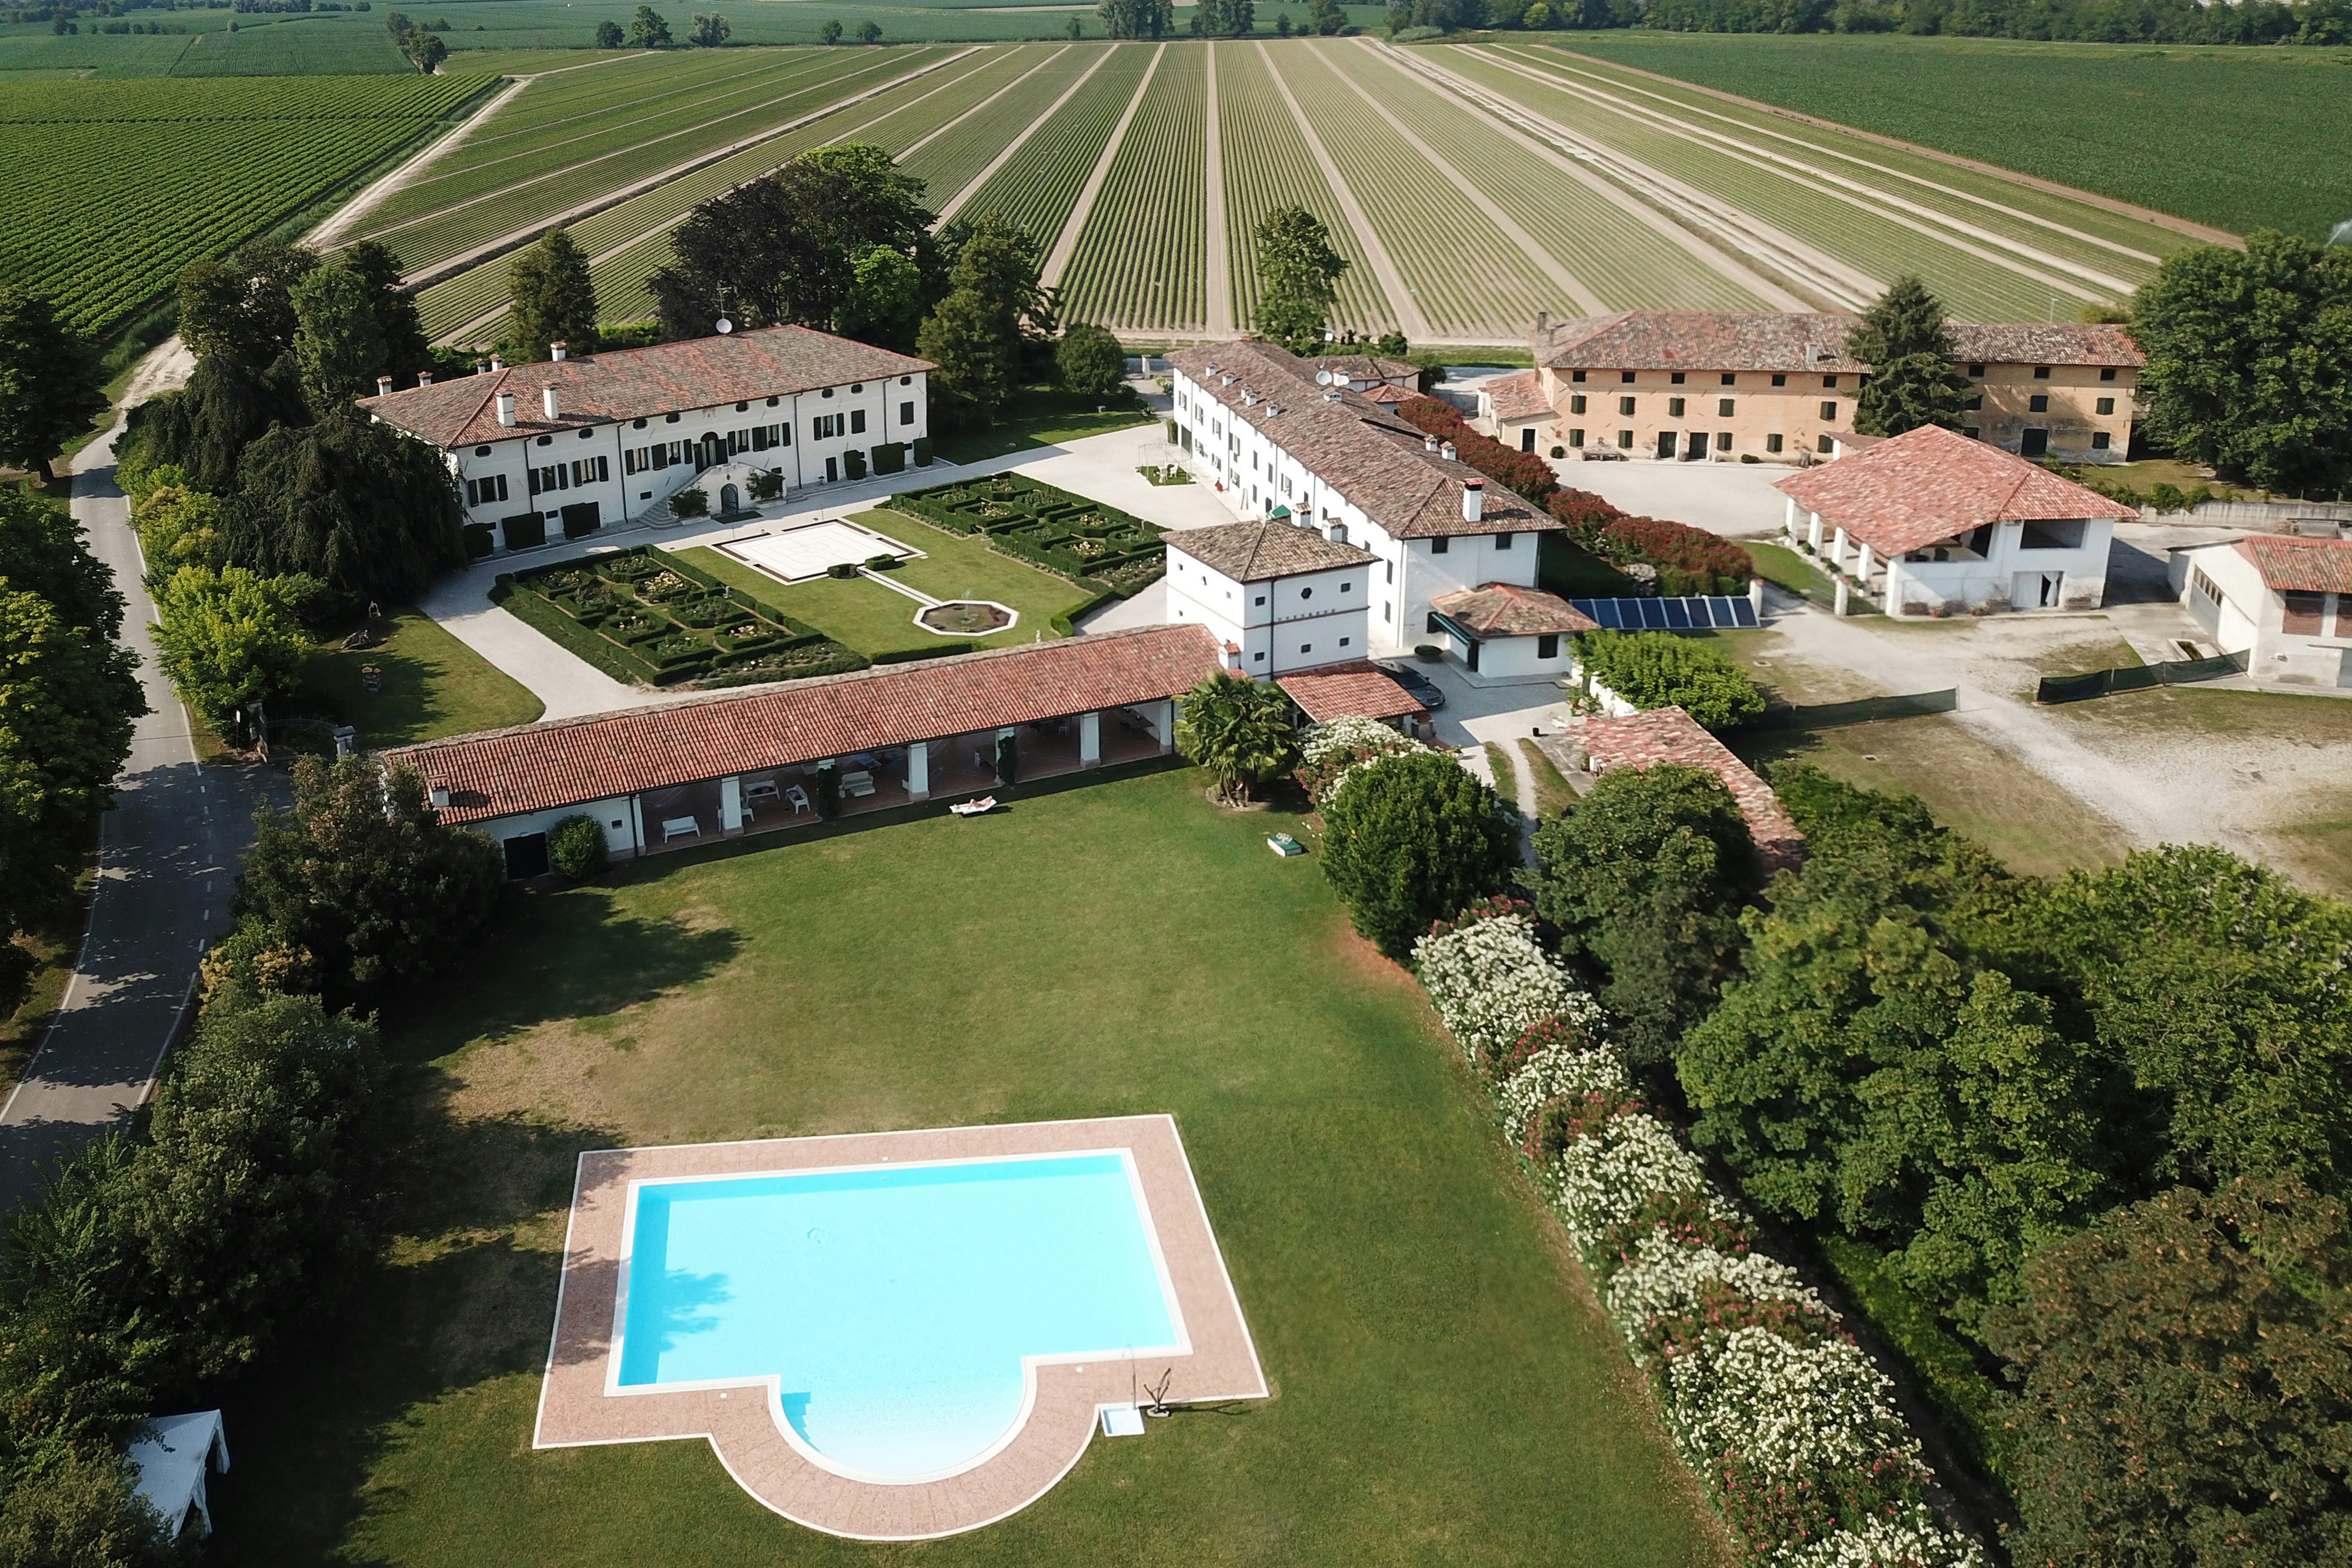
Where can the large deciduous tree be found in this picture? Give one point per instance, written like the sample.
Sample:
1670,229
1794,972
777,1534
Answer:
554,299
1135,18
227,637
1412,838
1903,341
339,347
1238,731
649,29
363,508
50,386
1091,362
1299,277
242,308
2187,1384
981,333
364,876
885,303
406,349
2250,361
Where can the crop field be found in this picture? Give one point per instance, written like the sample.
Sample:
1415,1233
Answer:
2238,138
1470,185
114,186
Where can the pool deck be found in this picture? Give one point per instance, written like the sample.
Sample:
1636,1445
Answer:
740,1423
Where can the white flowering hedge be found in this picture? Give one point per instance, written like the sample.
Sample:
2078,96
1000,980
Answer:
1329,753
1794,1430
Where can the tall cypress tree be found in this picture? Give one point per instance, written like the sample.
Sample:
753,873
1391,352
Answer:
554,299
1903,338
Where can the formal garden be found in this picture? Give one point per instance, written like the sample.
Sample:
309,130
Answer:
645,616
1099,547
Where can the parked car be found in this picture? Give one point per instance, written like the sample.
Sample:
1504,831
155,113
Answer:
1420,687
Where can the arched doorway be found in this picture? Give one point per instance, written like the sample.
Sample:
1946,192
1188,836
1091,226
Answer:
731,499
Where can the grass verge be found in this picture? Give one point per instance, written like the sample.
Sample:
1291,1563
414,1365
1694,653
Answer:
431,686
1506,778
1041,417
1554,794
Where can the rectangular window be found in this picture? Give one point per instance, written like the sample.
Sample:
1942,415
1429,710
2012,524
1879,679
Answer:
1547,645
1974,404
1829,380
2100,440
782,435
905,414
1391,572
1723,441
1673,408
1829,410
1677,377
2303,612
1527,439
1576,437
1976,369
2042,372
2108,374
1826,444
1625,406
2038,403
2105,405
1626,440
1779,381
1437,545
1729,380
1722,407
856,422
1773,444
1576,404
1626,376
1503,541
591,471
2204,586
1575,375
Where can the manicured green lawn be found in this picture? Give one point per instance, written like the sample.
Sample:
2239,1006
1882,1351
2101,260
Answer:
433,686
1041,417
1788,568
1444,1391
873,619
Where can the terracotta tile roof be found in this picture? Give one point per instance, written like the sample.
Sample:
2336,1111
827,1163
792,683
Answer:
1253,552
1360,690
1670,735
638,384
543,767
1516,398
1367,453
1796,340
2300,566
1503,609
1369,368
1930,484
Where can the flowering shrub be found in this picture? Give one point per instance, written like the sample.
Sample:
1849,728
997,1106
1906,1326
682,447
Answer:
1494,908
1545,1034
1681,559
1569,1119
1609,1177
1523,471
1329,752
1491,981
1665,1277
1913,1541
1783,1407
1562,1069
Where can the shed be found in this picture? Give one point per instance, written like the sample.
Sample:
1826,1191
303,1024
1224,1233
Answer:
172,1459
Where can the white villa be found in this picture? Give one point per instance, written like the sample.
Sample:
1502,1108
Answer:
2285,602
1279,598
1932,522
561,447
1285,443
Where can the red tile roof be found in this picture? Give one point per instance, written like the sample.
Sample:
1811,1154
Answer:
638,384
1360,690
1670,735
1256,552
1516,398
2300,566
1798,340
1504,609
1931,483
543,767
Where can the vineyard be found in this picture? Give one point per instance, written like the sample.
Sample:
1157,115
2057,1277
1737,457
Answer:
115,187
1470,185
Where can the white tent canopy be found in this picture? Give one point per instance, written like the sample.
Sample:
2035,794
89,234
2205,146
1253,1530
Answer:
170,1459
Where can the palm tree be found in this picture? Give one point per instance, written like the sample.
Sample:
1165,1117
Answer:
1241,732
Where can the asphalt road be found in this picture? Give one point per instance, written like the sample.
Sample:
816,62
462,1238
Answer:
166,864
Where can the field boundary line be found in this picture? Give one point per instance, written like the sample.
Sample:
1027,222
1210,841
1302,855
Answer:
1401,303
1057,261
1837,283
1217,274
2117,205
1546,263
1699,246
1670,107
977,180
490,250
2015,255
374,196
914,146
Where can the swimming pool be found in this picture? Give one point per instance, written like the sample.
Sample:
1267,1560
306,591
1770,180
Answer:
893,1310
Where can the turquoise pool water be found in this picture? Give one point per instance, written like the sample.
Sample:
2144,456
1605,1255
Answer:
893,1304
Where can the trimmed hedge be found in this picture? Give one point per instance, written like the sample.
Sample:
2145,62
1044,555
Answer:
1095,546
1658,669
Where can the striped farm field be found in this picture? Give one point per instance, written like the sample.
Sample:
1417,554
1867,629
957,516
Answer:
113,187
1470,184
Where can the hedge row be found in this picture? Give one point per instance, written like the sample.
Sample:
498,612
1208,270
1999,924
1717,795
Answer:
1041,525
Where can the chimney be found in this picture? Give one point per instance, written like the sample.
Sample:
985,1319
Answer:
506,408
1474,499
1446,451
1429,443
548,405
384,386
425,378
559,351
1543,325
497,362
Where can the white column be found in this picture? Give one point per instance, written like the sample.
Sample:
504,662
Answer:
1837,549
1164,724
1789,518
1814,530
1840,597
1862,571
919,770
1090,740
1893,566
730,803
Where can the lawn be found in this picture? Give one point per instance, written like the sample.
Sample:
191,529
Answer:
1041,417
1785,568
433,686
873,619
1445,1389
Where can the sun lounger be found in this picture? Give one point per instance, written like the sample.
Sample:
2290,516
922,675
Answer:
979,807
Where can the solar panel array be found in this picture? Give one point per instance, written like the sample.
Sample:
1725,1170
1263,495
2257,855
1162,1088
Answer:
1693,614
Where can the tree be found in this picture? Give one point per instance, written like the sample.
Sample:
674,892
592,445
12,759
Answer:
228,637
1905,320
1903,338
649,30
984,326
1412,838
708,31
203,430
1224,18
363,508
406,347
829,33
1326,18
1075,28
2187,1384
50,385
1299,272
338,344
424,49
242,308
1091,362
608,35
1657,669
1647,876
554,298
1135,18
576,847
885,302
78,1507
961,337
2249,359
364,874
177,527
869,31
1238,731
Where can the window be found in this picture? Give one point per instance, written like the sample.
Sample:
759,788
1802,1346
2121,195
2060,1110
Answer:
2100,440
1503,541
1527,439
905,380
1576,437
1723,441
1673,408
1388,611
825,427
481,492
1306,593
1259,657
1391,567
1779,381
1625,376
1307,647
1575,375
856,422
2302,611
743,408
1974,404
1437,545
1626,440
2203,585
1625,406
591,471
1972,432
1677,377
669,419
485,451
1773,444
1547,645
2038,403
546,440
1576,404
2108,373
1343,641
858,386
2105,405
1260,602
1729,380
2042,372
1722,407
905,414
1829,407
772,401
1976,369
1829,380
1826,444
